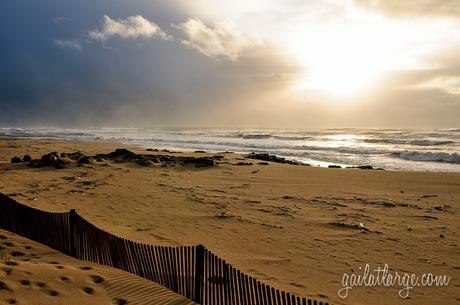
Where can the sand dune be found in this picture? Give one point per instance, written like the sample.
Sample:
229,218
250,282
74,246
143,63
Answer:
297,228
32,274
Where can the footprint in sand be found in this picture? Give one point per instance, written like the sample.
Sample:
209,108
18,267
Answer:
52,293
120,302
17,253
11,263
25,282
40,284
11,301
86,268
64,279
88,290
97,279
4,287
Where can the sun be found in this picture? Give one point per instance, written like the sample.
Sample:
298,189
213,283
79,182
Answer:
346,59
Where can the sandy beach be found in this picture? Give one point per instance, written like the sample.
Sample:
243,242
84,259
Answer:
294,227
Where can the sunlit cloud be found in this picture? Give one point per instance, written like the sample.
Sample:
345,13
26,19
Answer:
414,8
223,40
130,27
448,84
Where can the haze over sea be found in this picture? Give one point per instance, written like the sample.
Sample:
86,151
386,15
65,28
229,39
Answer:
398,149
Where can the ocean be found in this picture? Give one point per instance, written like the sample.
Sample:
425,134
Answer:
397,149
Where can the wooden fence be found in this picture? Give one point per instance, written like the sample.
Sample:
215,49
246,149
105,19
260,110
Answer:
191,271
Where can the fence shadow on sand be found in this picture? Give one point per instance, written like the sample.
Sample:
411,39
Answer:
191,271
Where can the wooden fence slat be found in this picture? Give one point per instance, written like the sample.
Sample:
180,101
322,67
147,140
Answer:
180,270
268,294
150,263
212,279
161,272
226,279
188,292
288,298
252,299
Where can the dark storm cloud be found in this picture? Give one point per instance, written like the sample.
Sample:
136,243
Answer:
55,73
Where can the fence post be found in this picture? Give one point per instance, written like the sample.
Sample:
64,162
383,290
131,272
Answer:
72,225
199,270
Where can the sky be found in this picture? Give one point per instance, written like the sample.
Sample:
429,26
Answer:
216,63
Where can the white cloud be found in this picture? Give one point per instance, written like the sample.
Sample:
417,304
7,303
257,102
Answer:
130,27
71,44
449,84
61,19
223,40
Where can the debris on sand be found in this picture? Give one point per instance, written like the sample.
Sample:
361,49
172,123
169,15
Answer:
442,208
355,226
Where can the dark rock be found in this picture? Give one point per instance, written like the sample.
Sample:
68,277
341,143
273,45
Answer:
50,159
16,160
334,166
26,158
123,153
263,163
217,157
365,167
145,162
273,158
36,163
200,151
60,164
151,149
200,162
85,160
243,163
76,156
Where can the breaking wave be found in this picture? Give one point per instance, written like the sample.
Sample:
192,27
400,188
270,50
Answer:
431,156
410,142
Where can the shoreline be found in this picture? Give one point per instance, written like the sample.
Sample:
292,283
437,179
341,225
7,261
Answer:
412,150
210,151
296,228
